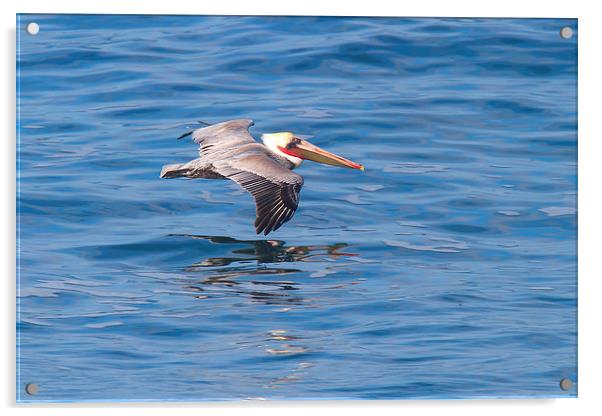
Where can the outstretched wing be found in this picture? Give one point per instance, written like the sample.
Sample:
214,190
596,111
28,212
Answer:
275,188
222,136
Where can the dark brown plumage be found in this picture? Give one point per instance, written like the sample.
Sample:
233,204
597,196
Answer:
228,151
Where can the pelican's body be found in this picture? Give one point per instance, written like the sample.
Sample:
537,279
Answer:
228,151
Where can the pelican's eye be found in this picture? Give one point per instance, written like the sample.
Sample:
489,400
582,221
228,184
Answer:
294,142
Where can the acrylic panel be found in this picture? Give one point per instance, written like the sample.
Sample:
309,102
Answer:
432,254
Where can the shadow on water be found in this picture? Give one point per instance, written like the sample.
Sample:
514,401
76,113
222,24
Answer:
249,268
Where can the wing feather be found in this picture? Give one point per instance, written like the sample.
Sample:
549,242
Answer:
275,188
223,136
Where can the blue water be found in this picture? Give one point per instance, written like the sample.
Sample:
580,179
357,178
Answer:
447,269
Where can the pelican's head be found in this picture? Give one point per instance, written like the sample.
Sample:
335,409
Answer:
297,150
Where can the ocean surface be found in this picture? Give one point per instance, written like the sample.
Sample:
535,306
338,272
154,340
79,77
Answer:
446,270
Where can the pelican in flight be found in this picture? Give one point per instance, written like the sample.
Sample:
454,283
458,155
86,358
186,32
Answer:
228,151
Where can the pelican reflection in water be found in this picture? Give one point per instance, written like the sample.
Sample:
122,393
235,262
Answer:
228,151
249,270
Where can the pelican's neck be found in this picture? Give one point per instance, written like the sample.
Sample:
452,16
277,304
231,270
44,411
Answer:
273,140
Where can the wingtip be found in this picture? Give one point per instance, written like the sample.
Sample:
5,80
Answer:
265,230
188,133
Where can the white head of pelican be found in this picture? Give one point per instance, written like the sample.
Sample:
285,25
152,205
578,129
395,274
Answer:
296,150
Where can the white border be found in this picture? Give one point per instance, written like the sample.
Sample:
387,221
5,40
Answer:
508,8
590,209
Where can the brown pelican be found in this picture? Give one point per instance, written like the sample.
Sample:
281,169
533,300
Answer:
228,151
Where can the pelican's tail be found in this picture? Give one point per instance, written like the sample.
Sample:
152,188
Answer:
175,171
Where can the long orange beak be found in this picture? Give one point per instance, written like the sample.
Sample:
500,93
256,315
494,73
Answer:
306,150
